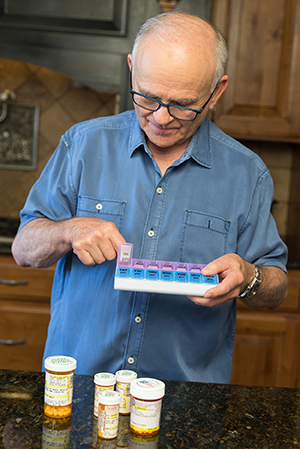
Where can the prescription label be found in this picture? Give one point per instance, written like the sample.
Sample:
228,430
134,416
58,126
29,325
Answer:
124,390
145,415
108,421
58,389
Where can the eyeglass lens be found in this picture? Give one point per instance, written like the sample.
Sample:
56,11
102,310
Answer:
153,105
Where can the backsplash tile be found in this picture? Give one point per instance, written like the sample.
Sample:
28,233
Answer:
62,103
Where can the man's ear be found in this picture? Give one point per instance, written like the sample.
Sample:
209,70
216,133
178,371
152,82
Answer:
129,59
220,89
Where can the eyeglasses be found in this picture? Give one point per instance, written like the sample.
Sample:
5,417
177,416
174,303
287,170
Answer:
178,112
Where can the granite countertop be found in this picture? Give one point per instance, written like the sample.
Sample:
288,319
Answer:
194,415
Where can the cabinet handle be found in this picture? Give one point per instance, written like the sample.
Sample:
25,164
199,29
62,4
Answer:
12,342
12,282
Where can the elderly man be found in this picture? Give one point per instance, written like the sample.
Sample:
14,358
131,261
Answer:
166,179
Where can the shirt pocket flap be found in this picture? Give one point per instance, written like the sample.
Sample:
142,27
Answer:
211,222
109,210
204,237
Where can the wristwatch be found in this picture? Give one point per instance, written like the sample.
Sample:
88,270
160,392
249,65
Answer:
253,286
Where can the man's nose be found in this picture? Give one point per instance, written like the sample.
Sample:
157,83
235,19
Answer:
162,115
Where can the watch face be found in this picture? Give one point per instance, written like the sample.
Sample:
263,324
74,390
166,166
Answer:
251,292
253,286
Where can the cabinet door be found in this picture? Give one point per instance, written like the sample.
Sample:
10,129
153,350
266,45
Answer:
266,349
23,332
263,96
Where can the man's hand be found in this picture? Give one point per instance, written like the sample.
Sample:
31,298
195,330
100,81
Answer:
235,274
42,242
94,240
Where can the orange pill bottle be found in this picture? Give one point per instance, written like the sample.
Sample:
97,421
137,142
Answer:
124,379
146,402
108,414
103,381
59,380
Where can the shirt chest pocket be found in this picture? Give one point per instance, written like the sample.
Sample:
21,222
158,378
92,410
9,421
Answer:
109,210
204,237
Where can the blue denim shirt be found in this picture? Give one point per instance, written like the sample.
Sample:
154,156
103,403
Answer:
214,200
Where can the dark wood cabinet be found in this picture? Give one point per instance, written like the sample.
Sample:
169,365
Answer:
262,99
267,342
24,314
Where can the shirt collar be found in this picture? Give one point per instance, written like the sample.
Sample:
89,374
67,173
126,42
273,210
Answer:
198,148
137,138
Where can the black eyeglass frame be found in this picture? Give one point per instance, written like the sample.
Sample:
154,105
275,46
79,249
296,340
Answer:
167,105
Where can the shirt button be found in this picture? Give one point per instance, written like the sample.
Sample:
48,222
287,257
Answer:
159,190
130,360
99,206
151,233
138,319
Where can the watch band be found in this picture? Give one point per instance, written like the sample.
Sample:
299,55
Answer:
253,286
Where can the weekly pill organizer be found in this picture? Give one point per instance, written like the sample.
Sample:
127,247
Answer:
157,276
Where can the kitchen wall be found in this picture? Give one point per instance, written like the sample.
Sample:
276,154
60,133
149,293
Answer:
62,103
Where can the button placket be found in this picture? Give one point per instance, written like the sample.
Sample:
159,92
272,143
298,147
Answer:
155,217
136,329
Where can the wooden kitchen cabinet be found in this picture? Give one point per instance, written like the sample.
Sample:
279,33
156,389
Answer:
24,314
267,342
263,96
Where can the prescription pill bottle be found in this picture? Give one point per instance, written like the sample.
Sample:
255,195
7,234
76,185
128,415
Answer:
59,380
108,414
124,379
146,401
103,381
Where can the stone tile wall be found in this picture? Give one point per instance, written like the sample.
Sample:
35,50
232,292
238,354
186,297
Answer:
62,103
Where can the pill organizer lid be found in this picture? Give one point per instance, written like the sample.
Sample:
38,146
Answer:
60,363
125,375
104,379
109,397
147,388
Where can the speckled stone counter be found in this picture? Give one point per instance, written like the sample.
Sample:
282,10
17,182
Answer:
194,415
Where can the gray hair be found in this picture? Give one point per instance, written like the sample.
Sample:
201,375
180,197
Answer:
170,25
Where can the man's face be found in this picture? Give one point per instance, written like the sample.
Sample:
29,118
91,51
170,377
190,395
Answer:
174,77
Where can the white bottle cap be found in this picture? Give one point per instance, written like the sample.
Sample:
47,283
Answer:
60,363
125,375
109,397
104,379
147,388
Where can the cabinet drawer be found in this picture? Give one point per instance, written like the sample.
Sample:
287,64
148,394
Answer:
24,283
266,349
22,337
